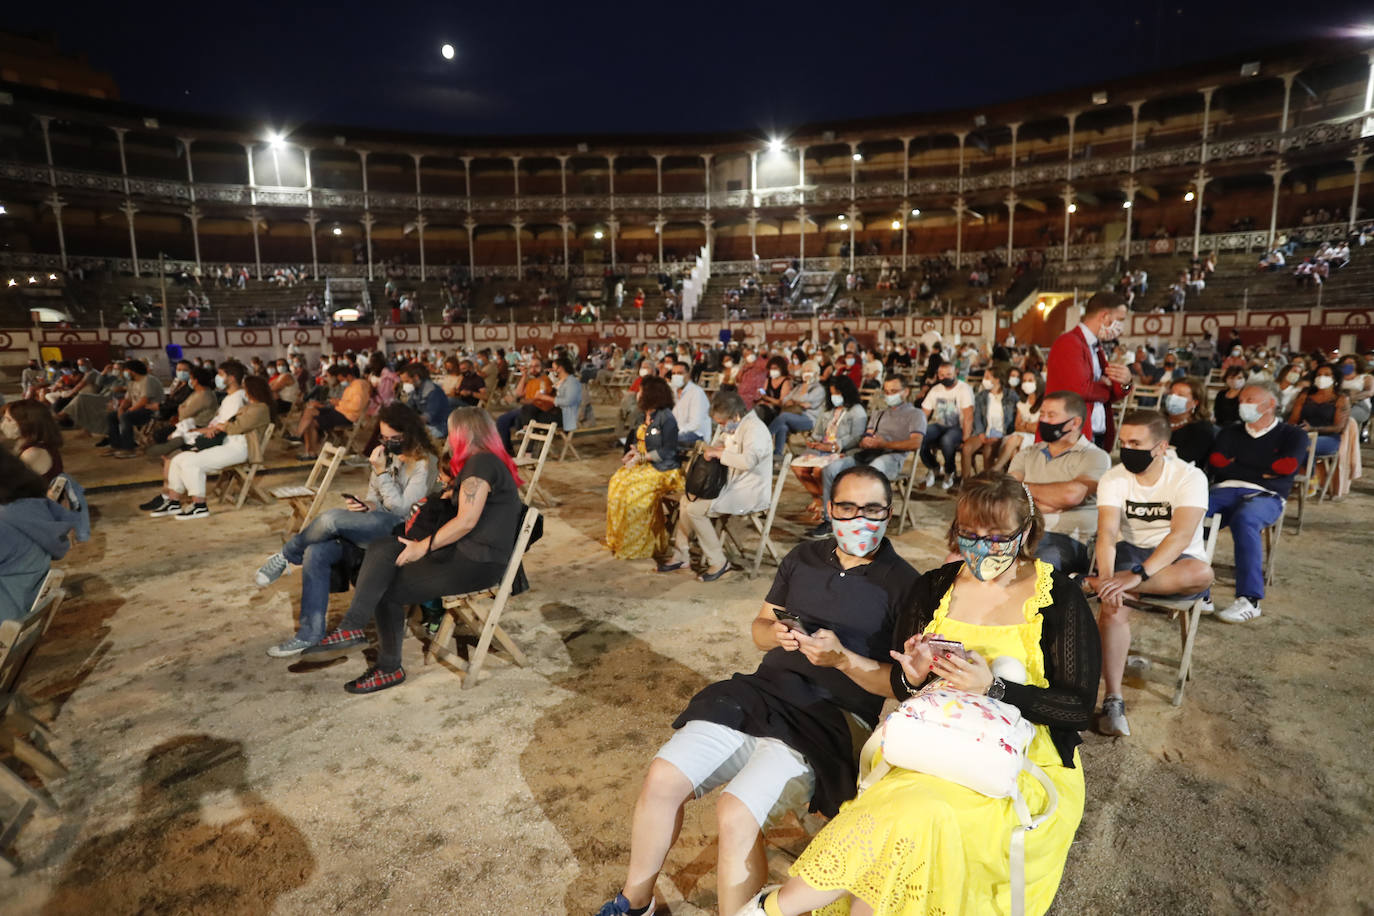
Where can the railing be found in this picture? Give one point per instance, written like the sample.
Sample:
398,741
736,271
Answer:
1328,133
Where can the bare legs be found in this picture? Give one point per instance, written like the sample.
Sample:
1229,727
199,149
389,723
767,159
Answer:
1184,577
657,822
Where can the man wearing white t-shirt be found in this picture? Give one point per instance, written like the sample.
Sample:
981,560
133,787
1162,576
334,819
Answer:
1149,533
949,409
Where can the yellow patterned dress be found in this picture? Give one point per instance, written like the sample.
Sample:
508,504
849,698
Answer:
917,845
635,526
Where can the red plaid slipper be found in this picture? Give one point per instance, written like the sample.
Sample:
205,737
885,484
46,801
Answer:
375,679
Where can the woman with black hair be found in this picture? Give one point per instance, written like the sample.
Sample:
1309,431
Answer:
636,527
404,468
841,427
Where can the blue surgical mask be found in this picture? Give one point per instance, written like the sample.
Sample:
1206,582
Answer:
732,426
219,382
183,375
837,400
1249,413
892,399
1175,404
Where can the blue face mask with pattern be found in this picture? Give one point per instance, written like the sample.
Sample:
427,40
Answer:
989,557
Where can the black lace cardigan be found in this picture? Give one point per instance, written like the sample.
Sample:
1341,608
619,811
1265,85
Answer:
1068,639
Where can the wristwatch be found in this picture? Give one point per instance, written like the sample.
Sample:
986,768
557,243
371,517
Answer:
996,689
1139,570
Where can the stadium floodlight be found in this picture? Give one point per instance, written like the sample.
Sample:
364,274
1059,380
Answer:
858,157
276,140
775,145
1125,205
12,282
1073,208
3,211
915,211
842,217
598,235
896,224
52,276
337,230
33,279
1189,197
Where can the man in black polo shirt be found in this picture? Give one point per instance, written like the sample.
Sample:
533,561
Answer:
790,732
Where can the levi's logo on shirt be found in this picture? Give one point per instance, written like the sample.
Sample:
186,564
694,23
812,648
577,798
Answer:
1149,512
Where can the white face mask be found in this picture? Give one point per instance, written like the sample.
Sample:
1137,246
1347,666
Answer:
987,384
1236,383
893,399
1249,413
1175,404
408,388
1324,382
774,373
750,359
837,400
1293,377
1028,387
678,381
849,360
643,371
859,537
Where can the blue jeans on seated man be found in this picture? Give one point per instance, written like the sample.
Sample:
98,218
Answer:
945,440
1247,512
318,548
515,419
121,427
889,463
1063,553
784,424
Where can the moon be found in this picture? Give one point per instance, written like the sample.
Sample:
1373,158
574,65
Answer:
447,50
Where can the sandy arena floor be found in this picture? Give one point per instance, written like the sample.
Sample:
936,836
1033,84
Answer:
209,778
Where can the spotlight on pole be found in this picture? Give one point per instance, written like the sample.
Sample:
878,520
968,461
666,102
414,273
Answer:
915,211
858,157
275,140
775,145
1189,197
1125,205
598,235
1073,208
896,224
337,231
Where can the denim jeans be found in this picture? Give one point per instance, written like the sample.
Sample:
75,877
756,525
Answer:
784,424
318,548
1247,513
1328,445
1063,553
945,440
121,427
513,420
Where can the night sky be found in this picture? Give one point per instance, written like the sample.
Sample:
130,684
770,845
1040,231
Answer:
529,67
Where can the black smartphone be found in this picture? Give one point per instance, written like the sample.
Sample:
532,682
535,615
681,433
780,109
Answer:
351,498
791,621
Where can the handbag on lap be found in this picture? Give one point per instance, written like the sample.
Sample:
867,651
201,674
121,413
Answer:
705,477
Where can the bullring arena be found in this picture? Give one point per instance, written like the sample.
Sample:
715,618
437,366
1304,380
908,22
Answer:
194,774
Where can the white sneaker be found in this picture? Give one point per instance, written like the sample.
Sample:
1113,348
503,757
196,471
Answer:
1112,719
1239,611
755,905
1208,607
930,480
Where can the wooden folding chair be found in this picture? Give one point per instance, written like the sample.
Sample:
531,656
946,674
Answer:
1300,481
1188,611
763,526
901,491
484,622
566,436
237,483
307,499
540,435
22,736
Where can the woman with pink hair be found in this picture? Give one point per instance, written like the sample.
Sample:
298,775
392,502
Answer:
466,553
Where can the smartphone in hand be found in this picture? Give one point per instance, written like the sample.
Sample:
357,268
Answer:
791,621
940,646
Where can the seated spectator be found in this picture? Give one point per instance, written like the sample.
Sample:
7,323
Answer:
87,380
786,735
284,387
636,527
137,407
1357,384
841,427
1253,464
743,445
567,395
1062,472
798,409
1191,429
198,411
776,386
1226,406
536,403
994,418
1027,424
472,388
1150,509
692,409
628,414
1325,410
468,553
913,842
33,532
32,432
949,406
1235,358
425,398
752,376
891,432
404,468
339,413
236,441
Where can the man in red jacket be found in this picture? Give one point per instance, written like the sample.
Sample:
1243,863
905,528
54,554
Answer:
1079,364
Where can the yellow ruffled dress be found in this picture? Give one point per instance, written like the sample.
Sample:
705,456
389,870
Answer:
914,844
635,526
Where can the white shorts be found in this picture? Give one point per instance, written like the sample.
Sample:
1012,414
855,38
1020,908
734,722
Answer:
769,777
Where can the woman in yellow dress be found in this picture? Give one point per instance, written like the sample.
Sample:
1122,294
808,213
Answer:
913,843
635,526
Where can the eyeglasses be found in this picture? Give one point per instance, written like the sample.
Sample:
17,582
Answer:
874,512
991,538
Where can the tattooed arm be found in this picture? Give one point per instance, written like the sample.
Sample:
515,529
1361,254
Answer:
472,498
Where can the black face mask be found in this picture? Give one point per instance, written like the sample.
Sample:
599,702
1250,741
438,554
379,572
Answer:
393,446
948,382
1136,460
1052,432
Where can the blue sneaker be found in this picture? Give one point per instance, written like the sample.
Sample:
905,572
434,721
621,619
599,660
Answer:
272,570
621,907
290,648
